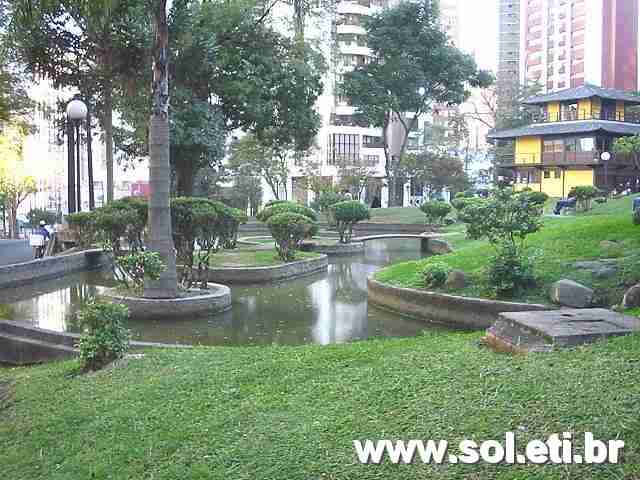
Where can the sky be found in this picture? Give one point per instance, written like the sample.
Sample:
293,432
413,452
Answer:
479,31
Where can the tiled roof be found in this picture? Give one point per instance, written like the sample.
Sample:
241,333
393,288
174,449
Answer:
585,91
559,128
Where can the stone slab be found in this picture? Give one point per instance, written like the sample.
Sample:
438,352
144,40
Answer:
545,330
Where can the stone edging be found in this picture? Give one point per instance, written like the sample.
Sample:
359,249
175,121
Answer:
22,344
286,271
218,300
50,267
335,249
451,310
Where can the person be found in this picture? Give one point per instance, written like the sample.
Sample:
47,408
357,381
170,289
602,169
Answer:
376,202
42,230
570,202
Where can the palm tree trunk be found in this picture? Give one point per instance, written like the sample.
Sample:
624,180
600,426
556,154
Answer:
108,137
160,238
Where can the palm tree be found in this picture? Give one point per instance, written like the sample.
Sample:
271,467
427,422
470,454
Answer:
160,237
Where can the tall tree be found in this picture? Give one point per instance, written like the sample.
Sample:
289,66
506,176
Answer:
414,67
95,47
160,232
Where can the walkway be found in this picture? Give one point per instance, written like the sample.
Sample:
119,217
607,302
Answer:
15,251
385,236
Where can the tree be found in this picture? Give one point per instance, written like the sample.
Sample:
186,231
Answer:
15,184
95,47
250,158
414,67
160,233
436,171
355,178
629,146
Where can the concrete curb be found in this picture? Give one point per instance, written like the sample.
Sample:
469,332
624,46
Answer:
219,300
22,344
450,310
51,267
334,250
286,271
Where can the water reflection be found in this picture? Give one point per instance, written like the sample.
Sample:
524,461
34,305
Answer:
324,308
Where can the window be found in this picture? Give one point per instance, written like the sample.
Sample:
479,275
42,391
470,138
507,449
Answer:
586,144
557,173
371,142
344,148
547,174
371,160
553,146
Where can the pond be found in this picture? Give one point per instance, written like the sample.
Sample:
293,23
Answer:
324,308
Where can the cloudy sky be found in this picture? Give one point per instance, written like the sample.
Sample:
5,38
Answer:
479,30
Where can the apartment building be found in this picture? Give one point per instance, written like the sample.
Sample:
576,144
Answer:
570,43
508,41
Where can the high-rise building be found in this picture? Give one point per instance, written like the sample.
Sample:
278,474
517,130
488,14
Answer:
508,41
569,43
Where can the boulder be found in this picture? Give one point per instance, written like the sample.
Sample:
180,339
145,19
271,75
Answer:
607,244
456,280
631,297
438,246
571,294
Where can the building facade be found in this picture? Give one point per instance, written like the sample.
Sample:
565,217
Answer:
569,43
508,41
563,147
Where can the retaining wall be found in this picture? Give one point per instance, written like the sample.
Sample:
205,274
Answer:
248,275
450,310
51,267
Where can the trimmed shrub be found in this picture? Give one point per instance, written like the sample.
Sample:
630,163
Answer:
584,196
121,218
289,230
232,218
288,207
131,270
104,338
435,211
509,270
435,274
83,225
325,201
347,214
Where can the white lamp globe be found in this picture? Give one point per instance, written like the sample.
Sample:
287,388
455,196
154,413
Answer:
76,110
605,157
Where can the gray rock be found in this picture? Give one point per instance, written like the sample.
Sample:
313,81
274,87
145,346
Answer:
438,246
456,280
571,294
631,297
599,268
606,244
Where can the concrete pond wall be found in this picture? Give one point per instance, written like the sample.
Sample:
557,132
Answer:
248,275
51,267
450,310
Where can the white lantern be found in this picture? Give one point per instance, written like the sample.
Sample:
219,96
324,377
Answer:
76,110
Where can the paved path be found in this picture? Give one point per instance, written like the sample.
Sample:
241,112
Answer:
15,251
383,236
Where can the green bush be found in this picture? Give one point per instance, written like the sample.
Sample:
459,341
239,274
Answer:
636,217
121,218
460,203
286,207
505,219
104,336
325,201
131,270
347,214
435,211
289,230
83,225
36,215
508,271
584,196
435,274
232,218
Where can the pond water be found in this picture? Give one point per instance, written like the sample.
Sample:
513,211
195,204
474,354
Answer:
324,308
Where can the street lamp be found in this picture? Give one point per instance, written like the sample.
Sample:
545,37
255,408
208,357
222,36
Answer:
76,113
605,157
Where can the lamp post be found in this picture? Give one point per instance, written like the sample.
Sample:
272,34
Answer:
76,113
605,157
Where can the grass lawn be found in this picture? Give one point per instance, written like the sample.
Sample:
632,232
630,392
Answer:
292,412
252,256
561,242
407,215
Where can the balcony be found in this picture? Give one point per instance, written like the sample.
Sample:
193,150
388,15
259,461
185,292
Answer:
561,159
582,115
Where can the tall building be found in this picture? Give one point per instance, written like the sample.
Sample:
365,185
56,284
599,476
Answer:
569,43
508,41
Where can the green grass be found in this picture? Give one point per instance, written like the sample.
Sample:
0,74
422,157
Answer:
293,412
408,215
249,256
560,243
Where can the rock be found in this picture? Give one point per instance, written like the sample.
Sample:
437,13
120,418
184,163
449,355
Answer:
631,297
456,280
438,246
607,244
599,268
571,294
